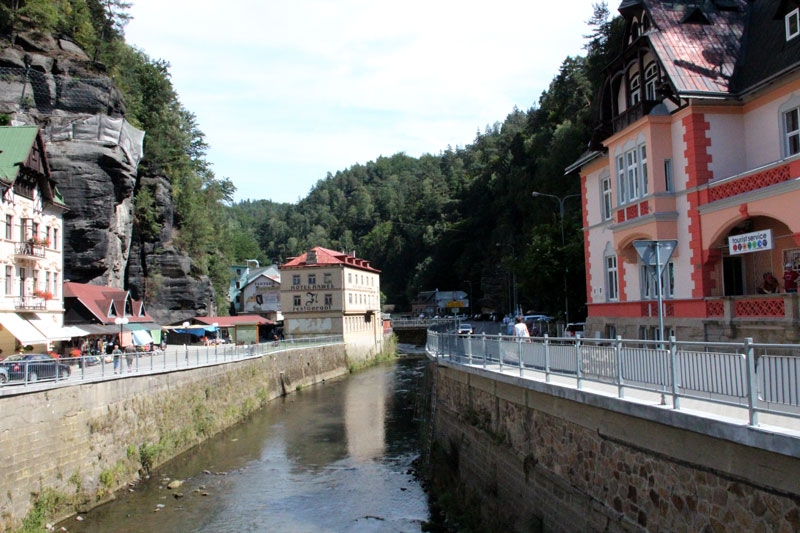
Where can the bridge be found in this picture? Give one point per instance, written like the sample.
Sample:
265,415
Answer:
620,434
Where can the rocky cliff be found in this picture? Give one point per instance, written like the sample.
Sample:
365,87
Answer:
94,155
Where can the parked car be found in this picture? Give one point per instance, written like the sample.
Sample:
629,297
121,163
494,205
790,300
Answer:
34,366
574,329
465,329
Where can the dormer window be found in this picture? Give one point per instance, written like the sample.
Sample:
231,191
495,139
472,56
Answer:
793,24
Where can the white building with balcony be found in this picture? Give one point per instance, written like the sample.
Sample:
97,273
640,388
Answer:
31,260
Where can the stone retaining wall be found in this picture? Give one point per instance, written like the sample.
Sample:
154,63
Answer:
530,456
69,448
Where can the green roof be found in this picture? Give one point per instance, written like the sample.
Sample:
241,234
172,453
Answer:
15,146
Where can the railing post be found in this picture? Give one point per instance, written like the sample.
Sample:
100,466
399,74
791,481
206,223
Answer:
752,383
483,347
501,350
578,369
618,361
547,358
519,353
673,357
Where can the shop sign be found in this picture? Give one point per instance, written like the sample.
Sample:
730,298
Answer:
755,241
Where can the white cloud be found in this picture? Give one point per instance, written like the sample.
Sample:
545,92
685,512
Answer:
291,90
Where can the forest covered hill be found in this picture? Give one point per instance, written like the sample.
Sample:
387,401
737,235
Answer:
462,219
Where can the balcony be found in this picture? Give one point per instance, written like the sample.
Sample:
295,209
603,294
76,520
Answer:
29,249
632,114
30,303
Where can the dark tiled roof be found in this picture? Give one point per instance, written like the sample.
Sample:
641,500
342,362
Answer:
698,57
767,53
742,45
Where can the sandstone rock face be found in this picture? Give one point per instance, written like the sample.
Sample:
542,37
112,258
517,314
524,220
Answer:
46,81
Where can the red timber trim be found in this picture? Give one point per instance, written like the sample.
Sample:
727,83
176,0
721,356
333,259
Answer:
587,257
649,309
621,278
698,159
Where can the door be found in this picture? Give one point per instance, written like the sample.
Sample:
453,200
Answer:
733,276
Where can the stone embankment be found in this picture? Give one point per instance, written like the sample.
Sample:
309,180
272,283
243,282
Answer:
67,449
520,455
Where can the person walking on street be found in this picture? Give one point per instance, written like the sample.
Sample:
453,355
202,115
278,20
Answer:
117,353
520,328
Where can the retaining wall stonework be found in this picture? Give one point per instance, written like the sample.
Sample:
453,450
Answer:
536,457
69,448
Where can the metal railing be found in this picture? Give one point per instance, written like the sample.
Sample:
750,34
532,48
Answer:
761,378
174,357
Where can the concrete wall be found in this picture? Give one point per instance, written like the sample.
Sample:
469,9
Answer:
73,446
530,456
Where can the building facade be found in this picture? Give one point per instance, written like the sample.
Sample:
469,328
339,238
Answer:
256,290
325,292
698,144
31,211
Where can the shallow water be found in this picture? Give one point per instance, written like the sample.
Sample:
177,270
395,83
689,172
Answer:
333,457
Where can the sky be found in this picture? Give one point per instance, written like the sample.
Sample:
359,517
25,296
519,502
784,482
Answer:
286,92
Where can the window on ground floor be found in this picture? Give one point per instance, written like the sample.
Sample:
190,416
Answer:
648,281
612,281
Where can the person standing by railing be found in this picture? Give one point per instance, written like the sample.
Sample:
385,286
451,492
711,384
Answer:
520,328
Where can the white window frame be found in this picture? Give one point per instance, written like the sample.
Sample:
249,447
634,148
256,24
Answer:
9,280
650,77
668,179
612,277
636,89
791,132
295,279
606,207
312,279
792,24
632,174
649,284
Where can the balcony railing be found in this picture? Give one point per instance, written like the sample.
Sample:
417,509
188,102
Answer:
29,249
34,303
632,114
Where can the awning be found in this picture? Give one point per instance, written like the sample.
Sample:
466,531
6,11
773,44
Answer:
142,326
22,330
100,329
142,338
54,332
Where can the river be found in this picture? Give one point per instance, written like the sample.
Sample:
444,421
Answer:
333,457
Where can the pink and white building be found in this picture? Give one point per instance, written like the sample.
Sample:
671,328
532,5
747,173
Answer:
699,142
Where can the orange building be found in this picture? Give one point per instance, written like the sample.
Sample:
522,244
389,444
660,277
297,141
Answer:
699,142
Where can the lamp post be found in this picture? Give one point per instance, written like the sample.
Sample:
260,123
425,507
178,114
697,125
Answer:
120,321
469,297
513,278
561,199
185,344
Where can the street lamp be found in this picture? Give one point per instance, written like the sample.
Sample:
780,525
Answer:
120,321
513,278
469,297
561,199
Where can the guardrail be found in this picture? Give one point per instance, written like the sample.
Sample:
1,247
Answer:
99,367
762,378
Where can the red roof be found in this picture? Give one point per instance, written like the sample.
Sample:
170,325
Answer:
326,257
107,303
231,321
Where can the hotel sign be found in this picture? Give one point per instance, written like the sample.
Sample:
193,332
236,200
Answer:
755,241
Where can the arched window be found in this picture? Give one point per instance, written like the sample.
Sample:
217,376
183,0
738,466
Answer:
650,78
